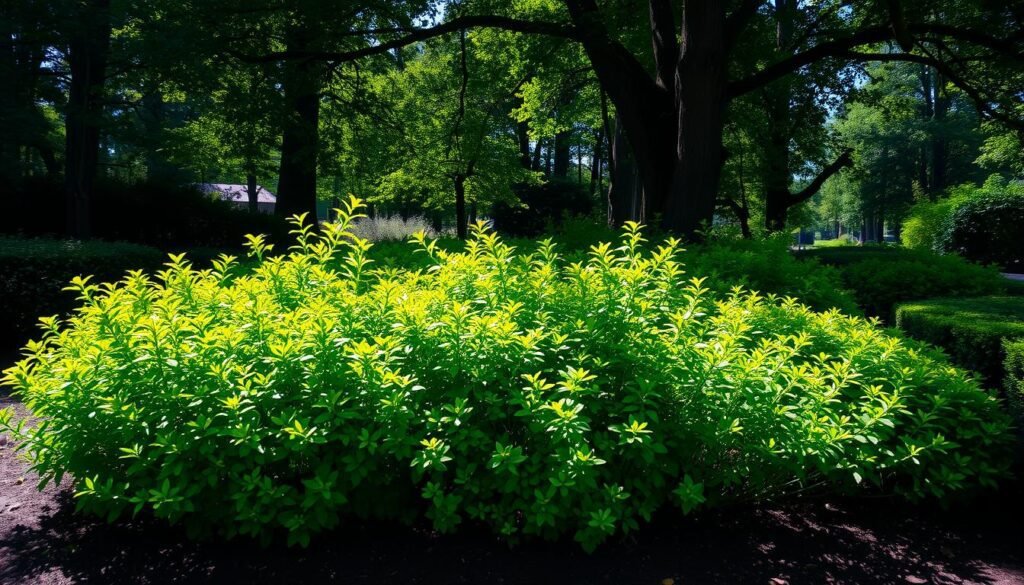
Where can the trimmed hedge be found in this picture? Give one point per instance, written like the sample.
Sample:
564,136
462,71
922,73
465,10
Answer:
1014,384
989,229
971,330
839,256
35,272
881,277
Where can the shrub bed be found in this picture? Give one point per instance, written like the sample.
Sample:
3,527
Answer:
35,272
536,396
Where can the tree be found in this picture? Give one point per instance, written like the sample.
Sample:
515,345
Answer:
458,144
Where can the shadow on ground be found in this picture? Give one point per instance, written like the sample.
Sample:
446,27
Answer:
811,543
860,542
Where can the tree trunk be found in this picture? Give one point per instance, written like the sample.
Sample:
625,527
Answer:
252,189
940,147
548,157
461,224
88,51
624,191
296,187
9,90
595,163
562,157
777,175
579,165
523,134
701,79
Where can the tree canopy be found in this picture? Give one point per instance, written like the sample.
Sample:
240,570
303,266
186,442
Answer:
686,114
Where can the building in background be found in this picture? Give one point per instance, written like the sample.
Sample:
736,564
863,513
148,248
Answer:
239,195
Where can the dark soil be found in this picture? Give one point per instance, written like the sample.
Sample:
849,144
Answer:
818,541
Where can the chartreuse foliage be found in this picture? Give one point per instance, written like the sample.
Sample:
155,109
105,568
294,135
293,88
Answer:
536,396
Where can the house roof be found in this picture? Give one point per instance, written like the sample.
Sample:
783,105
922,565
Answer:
237,193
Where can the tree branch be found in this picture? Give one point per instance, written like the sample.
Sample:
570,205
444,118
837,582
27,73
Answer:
845,159
841,47
663,41
736,22
420,34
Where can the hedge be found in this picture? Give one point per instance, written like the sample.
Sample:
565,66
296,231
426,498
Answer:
35,272
1014,385
881,277
971,330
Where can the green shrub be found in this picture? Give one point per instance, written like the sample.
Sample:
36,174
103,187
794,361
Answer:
882,277
983,224
518,391
989,227
763,265
926,222
36,270
843,241
971,330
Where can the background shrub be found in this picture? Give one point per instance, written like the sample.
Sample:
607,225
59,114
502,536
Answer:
541,206
989,227
768,266
983,224
972,330
168,217
842,255
926,223
36,270
533,395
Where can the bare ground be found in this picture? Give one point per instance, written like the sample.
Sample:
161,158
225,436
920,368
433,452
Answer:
818,541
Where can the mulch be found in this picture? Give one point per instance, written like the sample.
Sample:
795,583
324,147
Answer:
859,542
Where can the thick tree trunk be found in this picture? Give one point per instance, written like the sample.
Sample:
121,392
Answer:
701,79
9,90
296,187
777,97
625,193
88,51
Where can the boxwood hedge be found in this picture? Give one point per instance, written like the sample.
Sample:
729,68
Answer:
971,330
